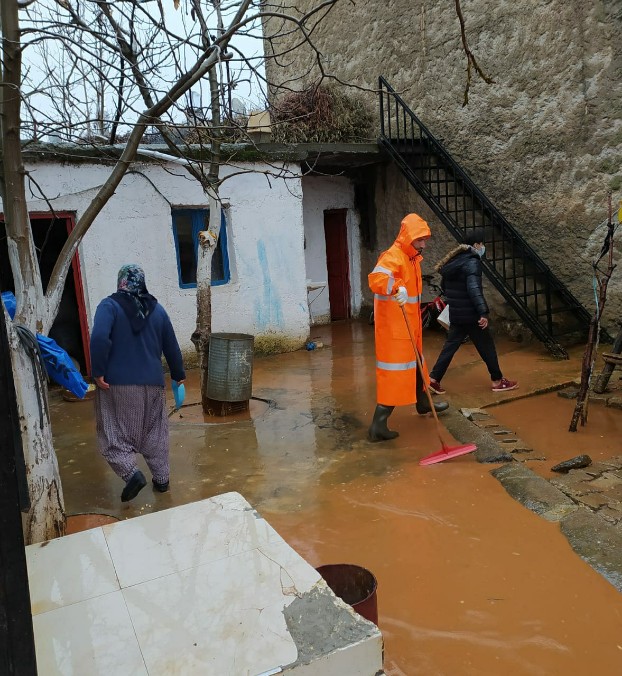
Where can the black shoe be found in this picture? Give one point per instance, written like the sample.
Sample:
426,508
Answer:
378,430
161,488
134,486
424,406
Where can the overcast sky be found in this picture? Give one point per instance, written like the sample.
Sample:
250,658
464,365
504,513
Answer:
249,95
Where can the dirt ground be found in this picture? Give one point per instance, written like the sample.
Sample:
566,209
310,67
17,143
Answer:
469,581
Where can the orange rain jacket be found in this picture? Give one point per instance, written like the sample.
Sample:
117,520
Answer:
396,364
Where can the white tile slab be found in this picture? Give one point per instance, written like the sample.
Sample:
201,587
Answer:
68,570
199,589
91,638
296,575
225,617
172,540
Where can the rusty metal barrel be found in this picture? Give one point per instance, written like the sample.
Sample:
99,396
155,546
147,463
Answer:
355,586
230,367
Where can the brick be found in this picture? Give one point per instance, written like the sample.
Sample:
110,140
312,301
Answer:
572,478
574,489
593,500
606,481
615,462
597,468
614,494
610,515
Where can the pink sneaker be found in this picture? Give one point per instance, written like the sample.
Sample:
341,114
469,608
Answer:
505,385
435,387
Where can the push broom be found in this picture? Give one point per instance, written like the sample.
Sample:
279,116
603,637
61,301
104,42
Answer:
446,452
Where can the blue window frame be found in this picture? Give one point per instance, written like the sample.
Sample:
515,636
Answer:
187,224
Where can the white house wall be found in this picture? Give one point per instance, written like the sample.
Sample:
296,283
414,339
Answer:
322,193
266,295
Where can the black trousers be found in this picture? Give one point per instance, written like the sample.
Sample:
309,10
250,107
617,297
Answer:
484,344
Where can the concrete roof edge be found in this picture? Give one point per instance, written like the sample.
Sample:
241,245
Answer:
230,152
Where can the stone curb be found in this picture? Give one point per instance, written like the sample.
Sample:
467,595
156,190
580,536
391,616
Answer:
536,493
463,429
597,542
495,444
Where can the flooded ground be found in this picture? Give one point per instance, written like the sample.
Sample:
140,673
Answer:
543,422
470,582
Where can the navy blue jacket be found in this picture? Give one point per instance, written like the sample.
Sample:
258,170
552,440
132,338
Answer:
127,358
461,284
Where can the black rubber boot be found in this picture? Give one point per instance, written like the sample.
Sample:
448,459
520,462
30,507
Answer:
134,486
423,403
160,488
424,407
378,430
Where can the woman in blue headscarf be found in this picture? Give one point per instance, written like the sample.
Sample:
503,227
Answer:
130,334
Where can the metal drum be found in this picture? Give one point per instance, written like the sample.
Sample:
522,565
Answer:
230,367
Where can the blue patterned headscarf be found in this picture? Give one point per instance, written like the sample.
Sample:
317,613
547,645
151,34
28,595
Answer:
131,278
133,297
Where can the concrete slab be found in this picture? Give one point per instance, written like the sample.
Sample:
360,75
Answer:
204,588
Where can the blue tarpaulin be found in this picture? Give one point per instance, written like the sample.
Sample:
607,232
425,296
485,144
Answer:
57,362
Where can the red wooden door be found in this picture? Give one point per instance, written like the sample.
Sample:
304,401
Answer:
70,328
337,263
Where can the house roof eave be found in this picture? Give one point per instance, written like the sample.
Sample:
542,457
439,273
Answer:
318,155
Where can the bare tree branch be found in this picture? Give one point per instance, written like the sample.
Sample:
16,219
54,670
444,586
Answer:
471,60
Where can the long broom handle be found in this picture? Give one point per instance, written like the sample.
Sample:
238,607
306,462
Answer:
420,367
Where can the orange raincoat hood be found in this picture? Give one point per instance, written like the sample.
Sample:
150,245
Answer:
412,227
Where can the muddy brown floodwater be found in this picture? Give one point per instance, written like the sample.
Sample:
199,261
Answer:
470,582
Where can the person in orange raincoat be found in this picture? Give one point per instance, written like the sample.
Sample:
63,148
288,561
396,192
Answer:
396,283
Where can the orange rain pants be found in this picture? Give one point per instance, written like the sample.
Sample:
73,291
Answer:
396,363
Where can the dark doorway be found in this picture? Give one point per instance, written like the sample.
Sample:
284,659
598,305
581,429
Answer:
70,328
337,263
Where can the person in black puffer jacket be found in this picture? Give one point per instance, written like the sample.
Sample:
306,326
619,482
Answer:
461,272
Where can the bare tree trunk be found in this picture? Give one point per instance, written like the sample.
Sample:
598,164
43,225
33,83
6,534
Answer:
28,288
208,240
47,516
591,349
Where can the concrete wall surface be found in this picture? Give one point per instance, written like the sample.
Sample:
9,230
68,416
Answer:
544,142
266,295
320,194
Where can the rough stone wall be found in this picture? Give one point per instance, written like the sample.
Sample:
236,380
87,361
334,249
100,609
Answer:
544,142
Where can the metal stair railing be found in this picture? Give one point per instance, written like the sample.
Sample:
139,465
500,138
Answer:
527,284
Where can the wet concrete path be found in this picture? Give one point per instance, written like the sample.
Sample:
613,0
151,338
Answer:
470,582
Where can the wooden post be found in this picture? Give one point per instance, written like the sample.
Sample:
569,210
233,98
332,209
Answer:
17,644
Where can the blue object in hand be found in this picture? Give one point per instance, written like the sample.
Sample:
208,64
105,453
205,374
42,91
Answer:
179,392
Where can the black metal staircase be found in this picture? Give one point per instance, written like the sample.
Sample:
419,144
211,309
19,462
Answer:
541,300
